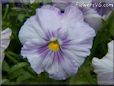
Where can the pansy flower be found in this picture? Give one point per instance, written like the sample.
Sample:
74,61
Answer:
104,68
56,42
4,41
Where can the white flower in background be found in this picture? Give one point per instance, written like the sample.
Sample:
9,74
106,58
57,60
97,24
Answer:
104,68
92,15
56,42
104,8
4,41
62,4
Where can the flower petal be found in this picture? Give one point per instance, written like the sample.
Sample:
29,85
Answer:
100,65
49,17
31,29
81,36
109,55
30,51
104,67
81,32
56,71
62,4
90,15
69,66
106,78
77,59
71,16
47,62
62,68
5,38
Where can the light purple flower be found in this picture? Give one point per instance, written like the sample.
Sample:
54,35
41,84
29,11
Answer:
5,39
101,9
56,42
92,15
104,68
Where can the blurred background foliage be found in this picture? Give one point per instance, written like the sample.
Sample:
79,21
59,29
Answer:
16,70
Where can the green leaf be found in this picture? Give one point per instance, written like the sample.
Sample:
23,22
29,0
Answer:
18,66
103,37
24,76
84,74
13,75
21,17
5,81
5,66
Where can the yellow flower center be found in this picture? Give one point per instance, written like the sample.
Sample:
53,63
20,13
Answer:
54,46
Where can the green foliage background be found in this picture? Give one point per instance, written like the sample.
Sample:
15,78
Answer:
16,70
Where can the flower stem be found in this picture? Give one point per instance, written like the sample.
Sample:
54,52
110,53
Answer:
6,11
11,58
13,54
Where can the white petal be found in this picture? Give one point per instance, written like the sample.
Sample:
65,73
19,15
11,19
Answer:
56,71
62,68
92,18
5,40
104,70
81,33
77,56
82,39
62,4
106,78
31,29
104,67
110,53
71,16
47,62
69,66
30,51
49,17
